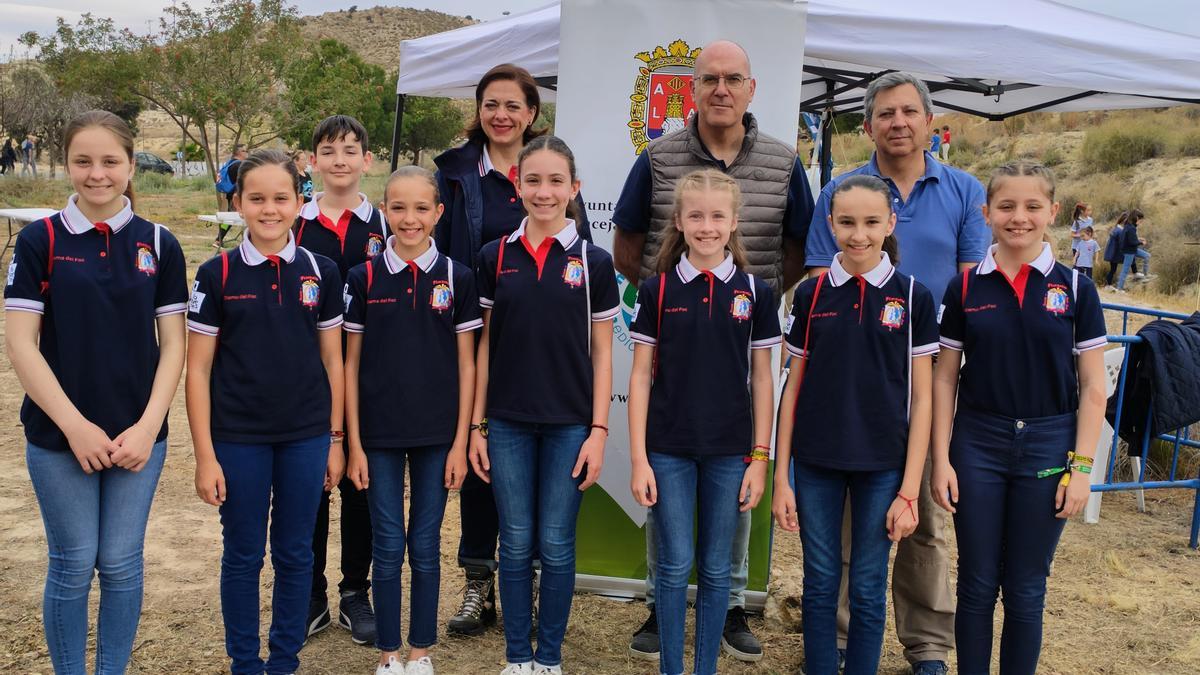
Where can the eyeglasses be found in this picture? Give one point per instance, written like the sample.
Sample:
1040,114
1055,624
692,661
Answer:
733,80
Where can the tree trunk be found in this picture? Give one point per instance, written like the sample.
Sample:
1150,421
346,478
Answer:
208,159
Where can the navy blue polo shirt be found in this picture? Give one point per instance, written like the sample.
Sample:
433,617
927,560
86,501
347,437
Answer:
502,207
108,284
409,314
1021,336
938,227
852,409
268,381
632,212
358,234
700,402
543,304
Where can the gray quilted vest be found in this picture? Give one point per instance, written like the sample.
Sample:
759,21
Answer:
763,169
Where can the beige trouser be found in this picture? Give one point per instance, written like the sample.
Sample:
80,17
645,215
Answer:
921,592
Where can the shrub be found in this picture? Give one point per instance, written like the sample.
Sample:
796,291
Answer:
1186,144
1052,157
147,182
1176,268
1113,147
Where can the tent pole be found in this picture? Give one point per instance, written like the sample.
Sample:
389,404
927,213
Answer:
827,137
396,130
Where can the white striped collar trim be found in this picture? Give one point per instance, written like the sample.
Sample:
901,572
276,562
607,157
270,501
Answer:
251,256
1044,263
77,223
395,263
311,210
877,277
567,236
687,271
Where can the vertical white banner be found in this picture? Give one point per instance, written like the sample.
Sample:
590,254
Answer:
625,69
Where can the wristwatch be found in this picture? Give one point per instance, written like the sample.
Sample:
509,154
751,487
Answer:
482,427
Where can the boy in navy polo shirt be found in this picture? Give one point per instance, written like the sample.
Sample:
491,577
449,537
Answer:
94,304
264,396
861,336
698,435
342,225
411,313
1017,426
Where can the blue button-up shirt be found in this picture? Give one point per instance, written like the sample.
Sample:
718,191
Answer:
938,227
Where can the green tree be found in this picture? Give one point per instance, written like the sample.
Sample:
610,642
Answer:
205,69
330,80
429,123
26,112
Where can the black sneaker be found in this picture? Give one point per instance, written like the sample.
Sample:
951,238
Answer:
644,644
737,639
478,609
356,616
318,616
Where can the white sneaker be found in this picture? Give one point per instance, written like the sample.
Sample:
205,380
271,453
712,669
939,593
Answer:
1138,275
394,666
422,666
539,669
518,669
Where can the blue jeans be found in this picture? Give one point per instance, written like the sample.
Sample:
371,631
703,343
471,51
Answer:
1007,532
538,502
691,488
820,501
95,524
427,495
1128,261
285,482
739,559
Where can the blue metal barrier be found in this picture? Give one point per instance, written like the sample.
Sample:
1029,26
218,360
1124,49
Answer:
1180,437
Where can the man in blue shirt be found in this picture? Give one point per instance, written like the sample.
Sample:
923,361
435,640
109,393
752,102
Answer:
941,231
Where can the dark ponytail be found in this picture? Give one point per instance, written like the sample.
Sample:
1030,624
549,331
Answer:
891,246
559,147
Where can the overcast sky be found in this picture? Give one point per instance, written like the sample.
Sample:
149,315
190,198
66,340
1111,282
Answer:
18,16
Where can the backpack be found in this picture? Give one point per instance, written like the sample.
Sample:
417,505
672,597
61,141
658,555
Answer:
224,182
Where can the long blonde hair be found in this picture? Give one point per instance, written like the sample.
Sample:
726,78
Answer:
673,245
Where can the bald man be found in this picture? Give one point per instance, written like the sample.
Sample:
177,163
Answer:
773,222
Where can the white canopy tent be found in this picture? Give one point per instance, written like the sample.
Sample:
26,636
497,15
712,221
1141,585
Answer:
989,59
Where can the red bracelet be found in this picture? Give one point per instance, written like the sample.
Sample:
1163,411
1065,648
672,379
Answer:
601,426
764,447
910,504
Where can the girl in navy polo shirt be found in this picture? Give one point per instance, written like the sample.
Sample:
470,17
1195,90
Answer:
855,414
410,314
1012,461
698,436
264,390
544,380
87,291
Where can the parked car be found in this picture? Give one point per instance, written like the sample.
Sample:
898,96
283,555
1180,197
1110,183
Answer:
146,161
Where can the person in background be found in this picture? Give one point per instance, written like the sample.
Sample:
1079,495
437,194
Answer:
1112,251
29,156
945,156
8,157
1132,248
1085,252
300,159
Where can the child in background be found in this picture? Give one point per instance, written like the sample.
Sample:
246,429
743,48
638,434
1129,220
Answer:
411,314
264,400
1016,426
1112,250
945,143
698,433
300,158
1081,217
1085,251
855,413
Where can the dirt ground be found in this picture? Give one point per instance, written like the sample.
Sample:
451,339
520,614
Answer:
1124,597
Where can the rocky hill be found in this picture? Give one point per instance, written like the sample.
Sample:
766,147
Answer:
375,33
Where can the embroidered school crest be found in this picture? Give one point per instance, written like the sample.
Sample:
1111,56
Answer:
374,245
892,315
661,101
742,306
573,273
1057,301
310,292
441,298
145,260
